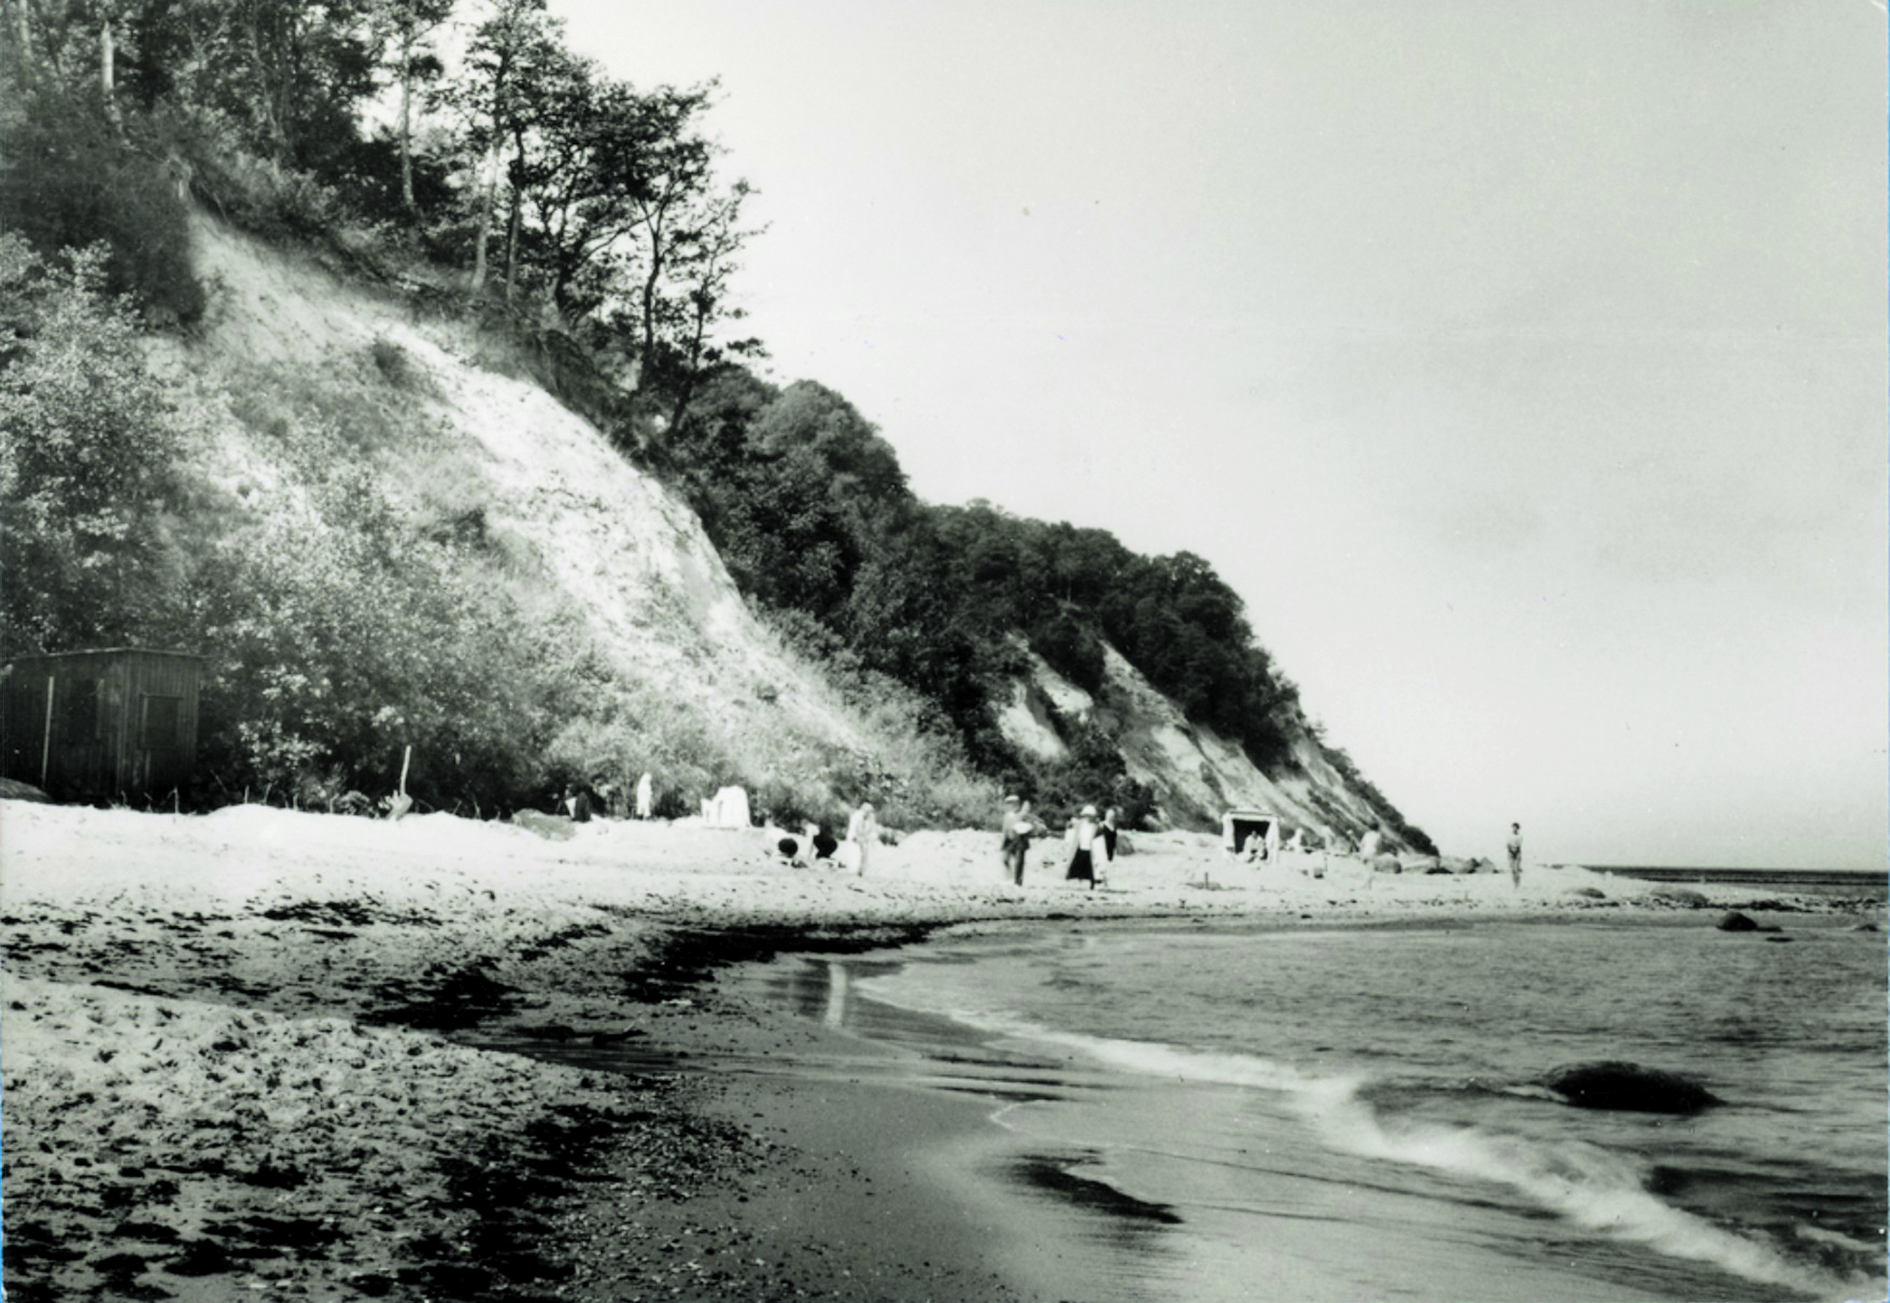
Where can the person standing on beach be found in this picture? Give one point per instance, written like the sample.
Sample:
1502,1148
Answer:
643,797
1082,843
1007,819
1110,818
1017,849
1515,855
862,832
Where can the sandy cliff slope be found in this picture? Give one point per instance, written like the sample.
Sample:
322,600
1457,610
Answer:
585,531
1194,771
455,432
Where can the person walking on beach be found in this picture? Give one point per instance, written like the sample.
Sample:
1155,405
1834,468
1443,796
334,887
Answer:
1515,855
1017,846
1007,820
862,832
1081,840
1110,818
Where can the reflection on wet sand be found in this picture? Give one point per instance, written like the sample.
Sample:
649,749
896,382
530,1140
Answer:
839,986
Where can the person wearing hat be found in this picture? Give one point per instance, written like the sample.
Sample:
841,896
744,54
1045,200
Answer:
1111,817
1081,840
1023,826
1007,832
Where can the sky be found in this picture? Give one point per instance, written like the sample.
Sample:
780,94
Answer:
1522,366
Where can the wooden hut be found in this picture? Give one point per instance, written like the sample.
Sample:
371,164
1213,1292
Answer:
119,723
1240,828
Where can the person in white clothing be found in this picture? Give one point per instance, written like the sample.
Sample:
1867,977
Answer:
862,832
1081,841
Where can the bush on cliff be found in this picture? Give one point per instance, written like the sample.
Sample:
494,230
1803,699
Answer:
88,445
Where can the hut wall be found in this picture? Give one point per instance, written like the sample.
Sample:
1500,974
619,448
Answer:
123,723
158,722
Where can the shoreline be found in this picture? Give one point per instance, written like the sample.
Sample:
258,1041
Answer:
253,1050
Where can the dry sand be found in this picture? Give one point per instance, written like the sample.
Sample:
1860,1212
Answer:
246,1054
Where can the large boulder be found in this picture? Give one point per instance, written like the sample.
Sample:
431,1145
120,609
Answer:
1614,1084
12,789
1733,921
1683,896
1386,863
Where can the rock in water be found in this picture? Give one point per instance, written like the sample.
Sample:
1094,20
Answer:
1628,1087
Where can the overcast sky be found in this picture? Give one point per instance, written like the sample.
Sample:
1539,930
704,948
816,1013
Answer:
1522,366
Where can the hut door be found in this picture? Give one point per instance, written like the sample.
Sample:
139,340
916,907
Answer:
78,744
158,758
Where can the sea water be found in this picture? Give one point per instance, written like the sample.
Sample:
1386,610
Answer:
1352,1112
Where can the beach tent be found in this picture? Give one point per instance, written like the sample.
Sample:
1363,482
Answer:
728,808
1239,827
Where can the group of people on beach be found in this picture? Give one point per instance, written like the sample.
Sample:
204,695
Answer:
1088,837
815,846
581,801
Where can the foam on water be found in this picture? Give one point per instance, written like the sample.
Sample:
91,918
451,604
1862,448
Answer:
1596,1189
1423,1049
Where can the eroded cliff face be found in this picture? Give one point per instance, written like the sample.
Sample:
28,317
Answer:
1195,773
588,542
586,536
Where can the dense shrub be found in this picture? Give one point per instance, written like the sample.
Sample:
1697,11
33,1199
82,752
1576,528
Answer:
87,448
71,177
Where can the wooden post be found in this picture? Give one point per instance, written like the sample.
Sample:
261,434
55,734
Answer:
45,749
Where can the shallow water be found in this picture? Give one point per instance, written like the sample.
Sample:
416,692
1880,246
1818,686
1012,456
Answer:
1344,1113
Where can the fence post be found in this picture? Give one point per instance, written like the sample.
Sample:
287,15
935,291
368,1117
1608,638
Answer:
45,747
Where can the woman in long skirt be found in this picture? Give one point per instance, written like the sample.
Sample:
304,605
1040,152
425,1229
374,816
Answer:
1082,841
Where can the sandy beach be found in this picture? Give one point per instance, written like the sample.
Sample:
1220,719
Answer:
263,1053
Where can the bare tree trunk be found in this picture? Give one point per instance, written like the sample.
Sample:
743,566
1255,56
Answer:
406,126
485,220
492,173
511,247
650,282
23,18
512,221
265,93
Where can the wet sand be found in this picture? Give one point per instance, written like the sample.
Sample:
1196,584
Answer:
267,1051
